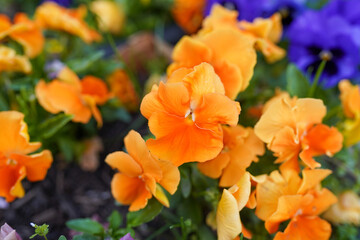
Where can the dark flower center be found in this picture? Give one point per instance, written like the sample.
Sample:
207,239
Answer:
287,15
329,55
229,5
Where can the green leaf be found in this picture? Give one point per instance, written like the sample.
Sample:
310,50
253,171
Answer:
54,124
85,237
115,220
85,225
82,64
185,185
204,233
145,215
297,84
62,237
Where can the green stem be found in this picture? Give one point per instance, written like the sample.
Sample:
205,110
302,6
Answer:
319,71
158,232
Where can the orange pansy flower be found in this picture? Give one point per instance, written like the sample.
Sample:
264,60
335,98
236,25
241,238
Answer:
346,210
188,14
292,127
122,87
350,100
286,196
230,52
186,114
9,61
110,15
232,201
70,95
241,147
49,15
15,163
264,32
24,31
140,174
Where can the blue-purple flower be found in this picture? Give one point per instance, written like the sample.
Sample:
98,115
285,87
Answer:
64,3
318,35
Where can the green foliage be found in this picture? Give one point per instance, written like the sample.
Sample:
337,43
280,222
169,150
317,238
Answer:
297,83
86,225
41,231
52,125
145,215
62,237
345,232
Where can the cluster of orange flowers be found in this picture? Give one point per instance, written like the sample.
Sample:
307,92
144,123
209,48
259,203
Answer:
193,117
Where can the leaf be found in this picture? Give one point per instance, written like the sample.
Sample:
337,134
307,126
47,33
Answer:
62,237
115,220
297,84
112,114
85,225
85,237
185,185
54,124
82,64
204,233
145,215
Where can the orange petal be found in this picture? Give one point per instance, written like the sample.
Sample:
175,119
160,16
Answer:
213,168
138,150
36,165
217,108
10,61
312,178
124,163
227,217
58,96
323,199
350,98
241,191
10,182
187,141
96,88
15,137
170,176
306,228
130,191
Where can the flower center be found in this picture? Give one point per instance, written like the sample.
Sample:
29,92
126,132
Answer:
190,115
325,55
11,162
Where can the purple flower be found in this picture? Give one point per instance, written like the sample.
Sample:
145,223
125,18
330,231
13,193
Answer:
64,3
126,237
7,233
316,36
348,9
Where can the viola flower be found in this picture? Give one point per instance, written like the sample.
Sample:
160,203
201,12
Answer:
292,128
285,196
15,163
316,36
248,10
186,114
140,174
265,33
123,89
234,199
230,53
64,3
49,15
24,31
110,15
10,61
70,95
349,9
346,210
241,148
188,14
7,233
350,100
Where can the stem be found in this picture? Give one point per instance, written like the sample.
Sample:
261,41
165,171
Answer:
45,237
316,79
158,232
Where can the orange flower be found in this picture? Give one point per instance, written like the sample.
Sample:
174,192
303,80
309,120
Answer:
241,146
24,31
9,61
188,14
264,32
140,174
292,127
72,96
286,196
122,87
49,15
227,50
346,210
350,99
232,201
15,163
186,114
